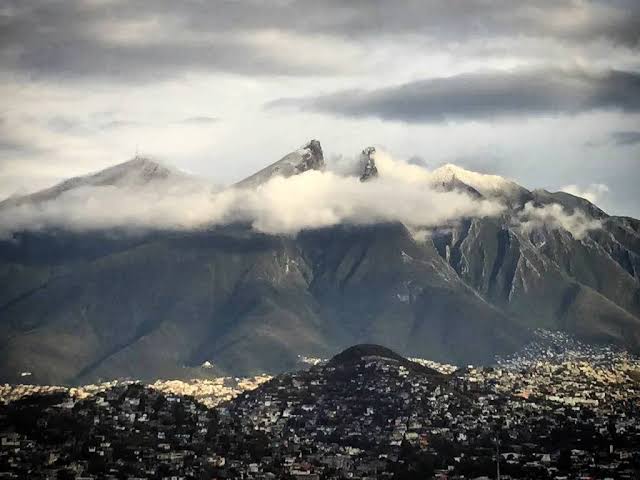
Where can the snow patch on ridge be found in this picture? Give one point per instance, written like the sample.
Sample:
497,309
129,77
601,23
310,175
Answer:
485,184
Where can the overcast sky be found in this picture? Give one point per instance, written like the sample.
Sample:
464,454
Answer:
547,93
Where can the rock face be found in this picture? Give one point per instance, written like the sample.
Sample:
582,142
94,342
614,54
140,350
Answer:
369,169
547,276
308,157
81,306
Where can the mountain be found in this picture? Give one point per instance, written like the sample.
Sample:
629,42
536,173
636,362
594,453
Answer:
363,353
357,353
549,277
138,172
308,157
452,177
76,306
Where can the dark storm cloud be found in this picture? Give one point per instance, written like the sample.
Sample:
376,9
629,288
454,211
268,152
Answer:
93,59
483,96
65,38
71,39
626,138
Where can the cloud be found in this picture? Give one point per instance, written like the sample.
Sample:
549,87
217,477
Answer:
480,96
147,40
320,199
417,160
130,72
13,143
63,124
157,40
626,137
115,124
554,217
200,120
331,200
621,138
593,192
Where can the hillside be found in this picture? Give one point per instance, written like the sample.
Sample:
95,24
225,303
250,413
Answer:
77,306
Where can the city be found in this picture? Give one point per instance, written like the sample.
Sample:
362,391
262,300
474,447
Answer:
551,413
319,240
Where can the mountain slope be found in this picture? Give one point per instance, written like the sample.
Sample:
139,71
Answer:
247,303
585,282
378,284
78,305
308,157
135,173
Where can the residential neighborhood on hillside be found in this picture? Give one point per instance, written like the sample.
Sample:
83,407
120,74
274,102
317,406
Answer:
361,415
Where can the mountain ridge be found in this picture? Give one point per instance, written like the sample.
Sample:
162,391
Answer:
307,157
77,306
137,172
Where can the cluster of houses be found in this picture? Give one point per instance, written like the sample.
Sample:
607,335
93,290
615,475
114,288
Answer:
378,418
367,418
209,392
129,431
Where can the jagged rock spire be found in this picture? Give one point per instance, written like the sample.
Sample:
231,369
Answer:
312,157
369,164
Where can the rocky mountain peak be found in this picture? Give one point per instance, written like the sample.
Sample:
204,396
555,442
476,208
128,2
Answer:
483,183
307,157
312,157
368,163
137,171
453,177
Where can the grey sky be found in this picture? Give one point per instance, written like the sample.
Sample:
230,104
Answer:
626,138
481,96
546,92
